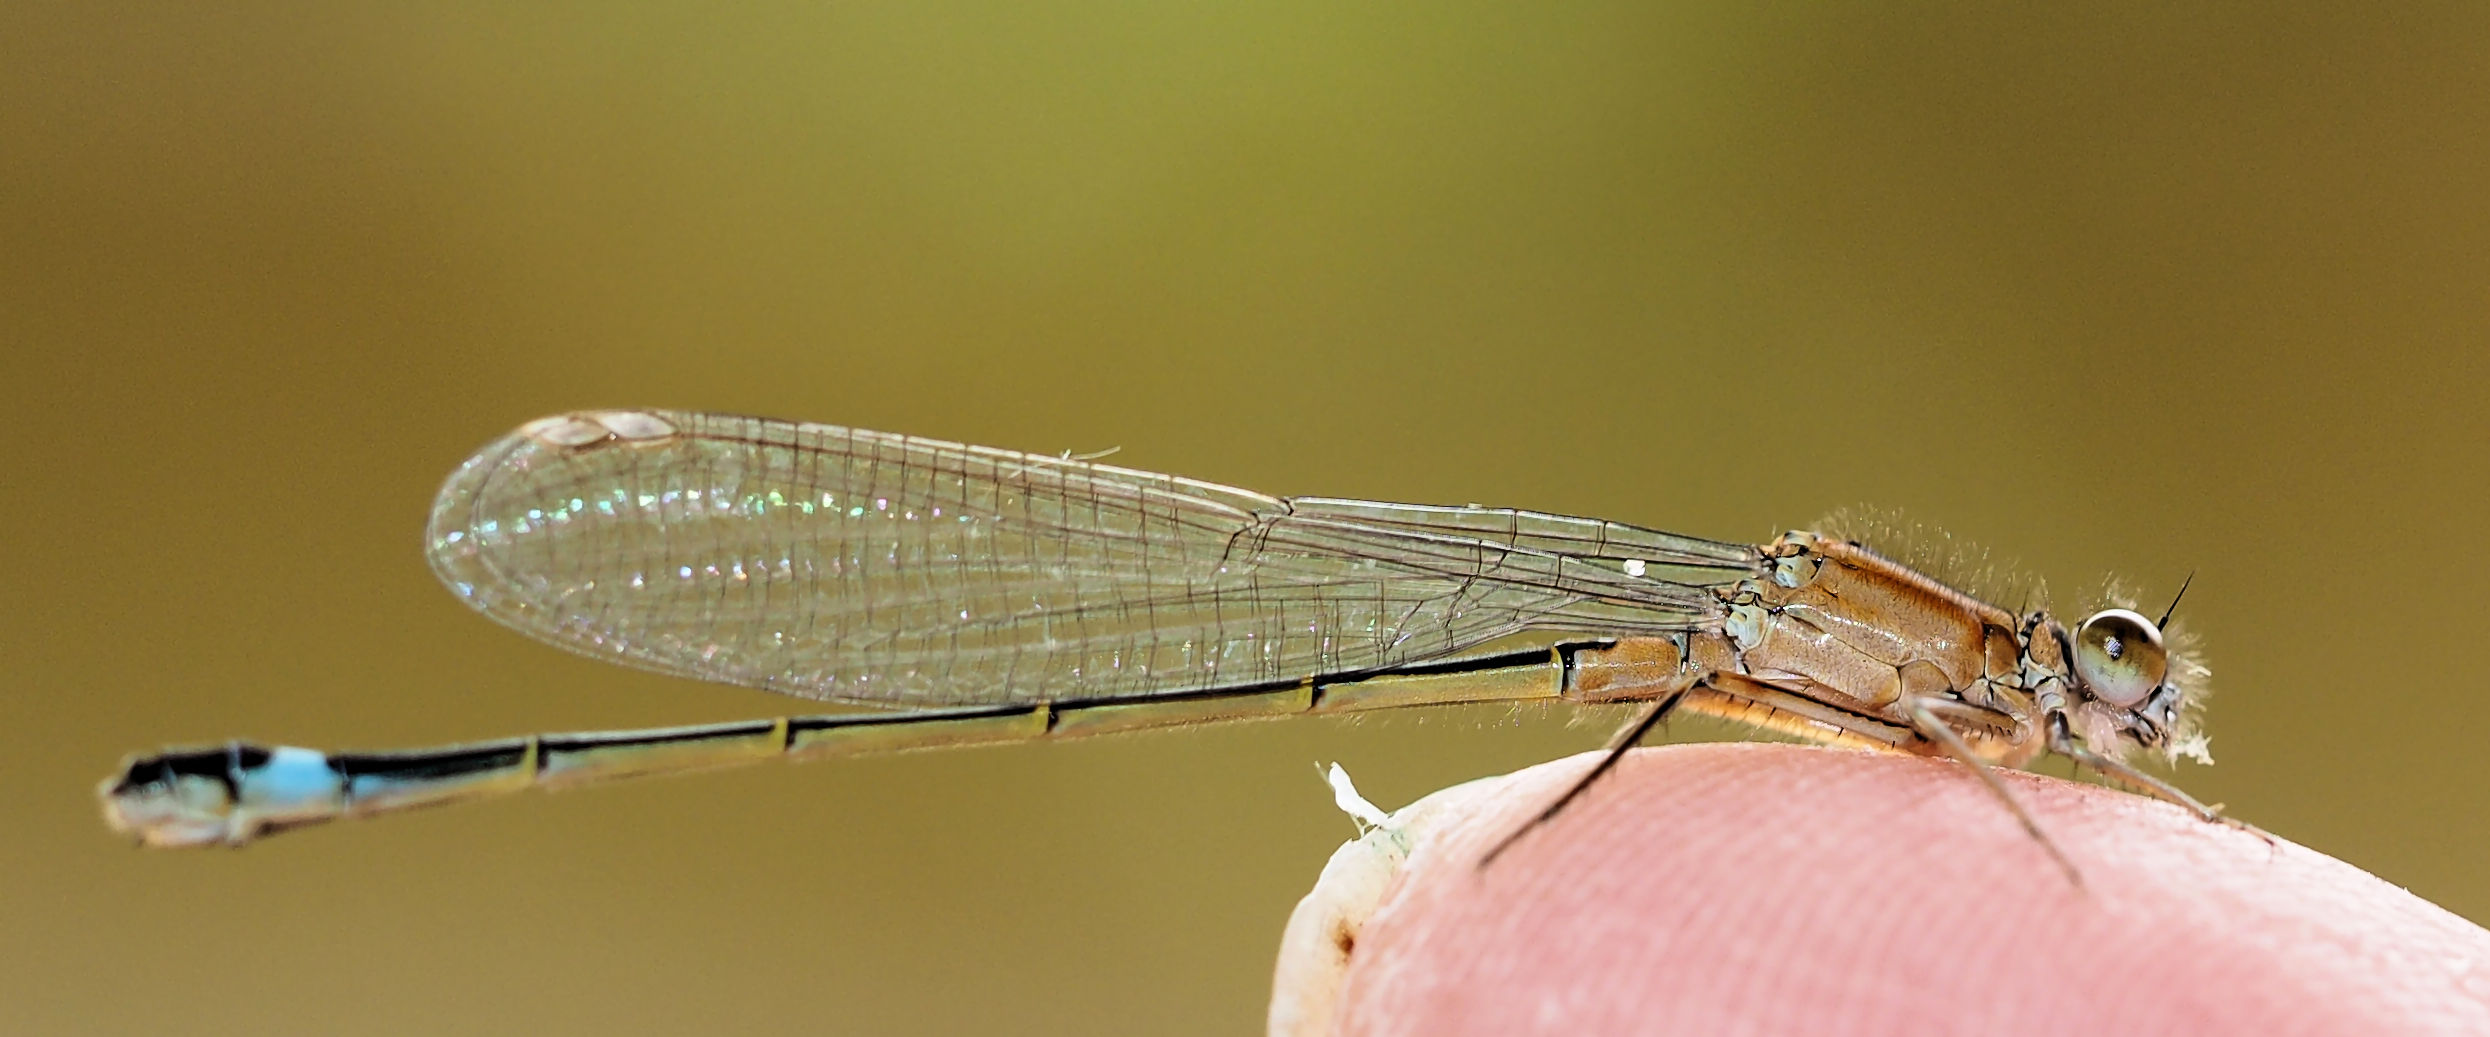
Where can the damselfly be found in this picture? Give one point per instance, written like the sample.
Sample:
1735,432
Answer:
979,595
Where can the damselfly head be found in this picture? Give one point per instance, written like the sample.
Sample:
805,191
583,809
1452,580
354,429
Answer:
2137,687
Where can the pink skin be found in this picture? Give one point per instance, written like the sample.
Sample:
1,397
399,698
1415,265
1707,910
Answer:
1756,888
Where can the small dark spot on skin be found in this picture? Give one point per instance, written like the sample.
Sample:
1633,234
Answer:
1345,939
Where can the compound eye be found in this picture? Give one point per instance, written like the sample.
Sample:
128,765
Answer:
2119,657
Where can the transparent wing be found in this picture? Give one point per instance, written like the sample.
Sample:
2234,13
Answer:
840,564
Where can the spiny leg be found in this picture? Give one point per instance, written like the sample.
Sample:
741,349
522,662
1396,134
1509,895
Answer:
1626,738
1933,728
2063,744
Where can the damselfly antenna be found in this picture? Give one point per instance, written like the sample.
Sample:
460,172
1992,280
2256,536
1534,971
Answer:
2174,601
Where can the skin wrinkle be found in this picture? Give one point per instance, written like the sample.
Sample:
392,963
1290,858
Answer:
1764,888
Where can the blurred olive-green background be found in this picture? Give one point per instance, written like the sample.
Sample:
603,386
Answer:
2142,290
